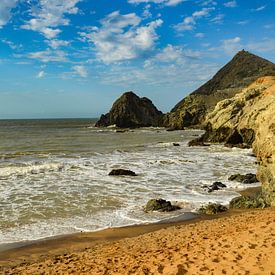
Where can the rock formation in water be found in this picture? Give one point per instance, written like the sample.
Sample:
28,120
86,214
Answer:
246,120
131,111
240,72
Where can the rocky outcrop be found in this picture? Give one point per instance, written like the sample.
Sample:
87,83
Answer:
212,209
249,202
240,72
131,111
160,205
246,179
217,185
248,119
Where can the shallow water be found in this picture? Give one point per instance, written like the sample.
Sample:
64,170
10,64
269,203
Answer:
54,176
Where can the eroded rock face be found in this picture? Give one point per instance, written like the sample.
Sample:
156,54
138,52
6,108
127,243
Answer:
248,119
131,111
240,72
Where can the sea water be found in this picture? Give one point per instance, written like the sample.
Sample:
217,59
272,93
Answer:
54,176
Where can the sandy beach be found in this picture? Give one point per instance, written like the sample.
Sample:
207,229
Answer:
239,242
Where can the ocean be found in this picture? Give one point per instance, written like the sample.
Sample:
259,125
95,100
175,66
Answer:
54,176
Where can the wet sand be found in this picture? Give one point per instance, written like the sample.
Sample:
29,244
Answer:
239,242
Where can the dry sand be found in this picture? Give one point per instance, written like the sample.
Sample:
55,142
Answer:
242,242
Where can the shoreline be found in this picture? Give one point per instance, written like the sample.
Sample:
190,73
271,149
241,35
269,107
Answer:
182,218
57,243
40,254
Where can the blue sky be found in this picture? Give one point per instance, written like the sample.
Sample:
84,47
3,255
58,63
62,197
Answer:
73,58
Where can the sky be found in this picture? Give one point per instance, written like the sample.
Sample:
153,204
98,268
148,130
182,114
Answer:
73,58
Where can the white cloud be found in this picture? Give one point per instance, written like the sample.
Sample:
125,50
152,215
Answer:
164,2
266,45
231,4
40,74
199,35
49,14
259,8
170,54
5,11
55,43
80,70
186,73
49,56
209,2
121,37
244,22
11,44
218,19
189,22
174,54
146,12
232,46
202,13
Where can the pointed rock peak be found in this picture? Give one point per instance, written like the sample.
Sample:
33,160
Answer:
131,111
129,94
240,72
243,55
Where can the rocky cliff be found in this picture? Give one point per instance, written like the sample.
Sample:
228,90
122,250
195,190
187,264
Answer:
241,71
131,111
248,119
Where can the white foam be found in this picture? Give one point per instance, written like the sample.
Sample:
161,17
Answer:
66,194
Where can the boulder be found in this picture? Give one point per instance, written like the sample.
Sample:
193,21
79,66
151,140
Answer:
249,202
131,111
248,178
160,205
212,208
215,186
176,144
122,172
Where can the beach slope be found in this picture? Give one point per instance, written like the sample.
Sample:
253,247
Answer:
236,243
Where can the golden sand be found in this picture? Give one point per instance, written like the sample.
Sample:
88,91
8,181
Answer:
242,242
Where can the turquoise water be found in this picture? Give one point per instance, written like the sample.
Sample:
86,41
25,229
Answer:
54,176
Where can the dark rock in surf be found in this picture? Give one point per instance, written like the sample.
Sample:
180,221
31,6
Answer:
246,179
215,186
131,111
160,205
176,144
122,172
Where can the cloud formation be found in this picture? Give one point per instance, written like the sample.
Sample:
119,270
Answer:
164,2
40,74
231,4
5,11
232,46
49,56
189,22
48,15
80,70
122,37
